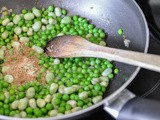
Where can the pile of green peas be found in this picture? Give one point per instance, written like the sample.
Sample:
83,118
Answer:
72,84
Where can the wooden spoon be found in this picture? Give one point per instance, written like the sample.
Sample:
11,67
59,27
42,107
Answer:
75,46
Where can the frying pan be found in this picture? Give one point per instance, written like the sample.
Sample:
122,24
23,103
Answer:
109,15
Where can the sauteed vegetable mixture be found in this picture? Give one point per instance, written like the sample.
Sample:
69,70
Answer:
33,84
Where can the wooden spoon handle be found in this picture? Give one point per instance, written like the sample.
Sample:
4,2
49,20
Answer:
143,60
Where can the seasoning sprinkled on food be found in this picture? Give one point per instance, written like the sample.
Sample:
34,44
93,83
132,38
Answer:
23,67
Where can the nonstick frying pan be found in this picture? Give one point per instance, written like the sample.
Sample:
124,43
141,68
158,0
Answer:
109,15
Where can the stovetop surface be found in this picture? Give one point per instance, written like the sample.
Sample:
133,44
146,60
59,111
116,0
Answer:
147,83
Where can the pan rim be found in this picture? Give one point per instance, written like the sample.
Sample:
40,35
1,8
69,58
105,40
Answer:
106,99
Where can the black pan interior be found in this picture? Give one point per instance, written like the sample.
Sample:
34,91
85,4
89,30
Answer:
107,14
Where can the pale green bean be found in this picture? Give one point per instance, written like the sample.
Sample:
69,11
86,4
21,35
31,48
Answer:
30,93
41,103
53,88
23,104
32,103
29,16
16,19
8,78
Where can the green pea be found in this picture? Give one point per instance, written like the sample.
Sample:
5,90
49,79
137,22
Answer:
110,65
2,97
6,111
61,109
6,106
102,35
110,76
65,97
49,106
6,101
12,98
64,12
12,113
68,107
12,92
24,11
5,84
29,110
80,103
120,31
51,8
116,70
21,95
1,111
97,87
44,110
21,88
57,101
1,104
37,112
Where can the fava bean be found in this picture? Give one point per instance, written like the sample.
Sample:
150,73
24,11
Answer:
5,69
4,35
83,95
1,53
32,103
5,22
23,104
36,26
16,19
30,32
24,39
56,61
29,16
30,93
53,113
48,98
14,105
52,14
41,103
53,88
23,114
15,45
68,111
6,94
76,109
49,76
73,103
8,78
36,12
52,21
102,43
24,29
38,49
106,72
58,11
61,89
103,83
96,99
17,30
66,20
10,24
44,21
94,80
